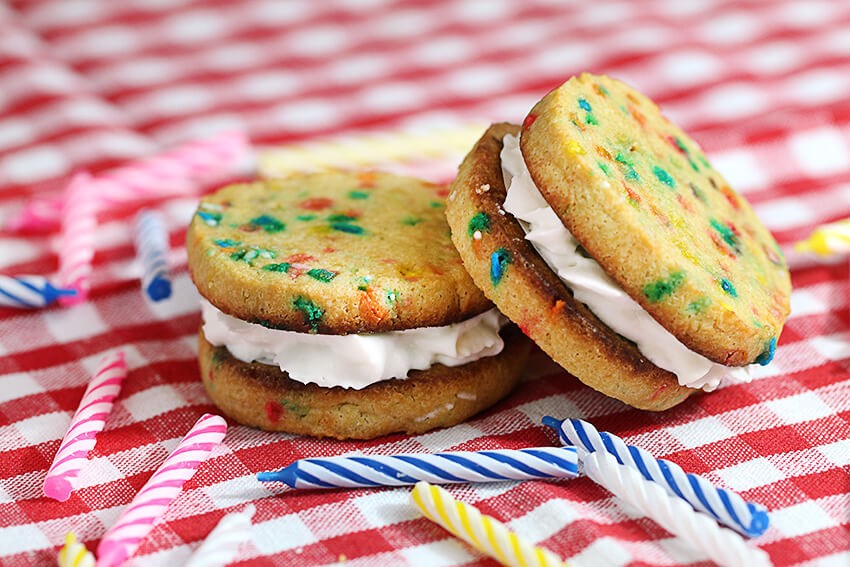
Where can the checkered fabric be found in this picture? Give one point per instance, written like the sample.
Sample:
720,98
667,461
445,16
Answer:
93,83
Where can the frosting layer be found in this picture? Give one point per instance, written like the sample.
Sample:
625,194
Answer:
355,361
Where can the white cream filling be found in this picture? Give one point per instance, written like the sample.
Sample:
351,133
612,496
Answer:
355,361
593,287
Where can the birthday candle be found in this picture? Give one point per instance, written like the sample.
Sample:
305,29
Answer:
222,545
369,150
720,544
725,506
151,240
86,423
827,239
486,534
29,291
74,554
175,172
123,538
79,222
172,173
439,468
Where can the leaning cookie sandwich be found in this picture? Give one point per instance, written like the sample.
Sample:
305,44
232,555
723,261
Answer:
602,230
335,305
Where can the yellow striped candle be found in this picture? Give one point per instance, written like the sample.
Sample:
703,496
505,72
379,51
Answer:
74,554
486,534
827,239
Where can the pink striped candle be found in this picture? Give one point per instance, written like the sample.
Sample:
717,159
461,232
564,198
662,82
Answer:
87,422
79,222
122,539
170,174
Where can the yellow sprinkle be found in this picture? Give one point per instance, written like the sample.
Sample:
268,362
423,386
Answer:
574,147
369,150
466,522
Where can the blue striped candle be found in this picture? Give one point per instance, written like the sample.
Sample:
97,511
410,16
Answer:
151,241
440,468
725,506
29,292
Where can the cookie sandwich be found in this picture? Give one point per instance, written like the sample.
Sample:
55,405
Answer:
335,305
601,229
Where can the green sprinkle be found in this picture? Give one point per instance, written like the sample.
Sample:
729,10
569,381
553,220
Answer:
698,306
391,295
306,218
268,223
359,195
436,204
321,274
701,158
346,227
591,119
341,218
624,159
604,167
226,242
728,287
663,288
248,254
480,222
312,313
365,281
499,261
632,175
411,220
728,236
282,267
663,176
294,408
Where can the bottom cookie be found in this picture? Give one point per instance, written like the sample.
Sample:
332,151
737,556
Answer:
263,396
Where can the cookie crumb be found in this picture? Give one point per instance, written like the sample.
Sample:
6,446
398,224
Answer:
483,188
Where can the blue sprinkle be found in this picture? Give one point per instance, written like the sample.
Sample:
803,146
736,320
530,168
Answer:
765,357
212,219
499,260
584,105
226,242
728,287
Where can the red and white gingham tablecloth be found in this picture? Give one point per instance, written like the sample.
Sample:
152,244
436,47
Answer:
92,83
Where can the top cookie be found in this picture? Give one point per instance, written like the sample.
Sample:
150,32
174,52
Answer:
331,253
642,199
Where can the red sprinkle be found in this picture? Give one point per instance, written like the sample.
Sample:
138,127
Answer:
529,120
300,257
316,204
632,195
273,411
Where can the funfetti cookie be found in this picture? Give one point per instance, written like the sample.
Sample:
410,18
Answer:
336,305
602,230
